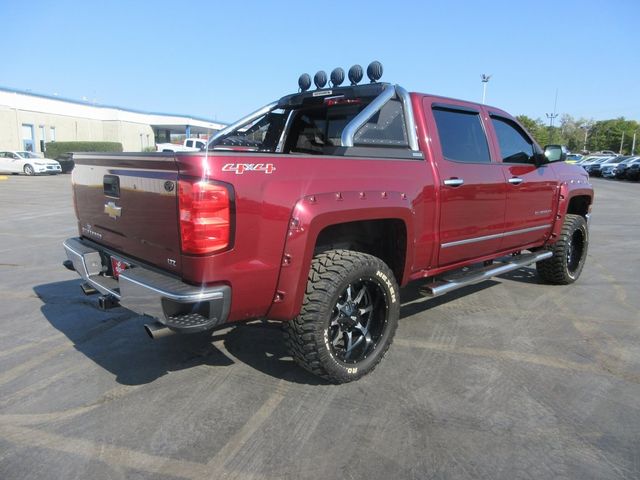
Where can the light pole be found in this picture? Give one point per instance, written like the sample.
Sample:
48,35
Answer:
633,144
551,117
485,80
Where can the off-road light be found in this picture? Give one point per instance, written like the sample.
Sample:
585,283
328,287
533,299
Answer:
320,79
374,71
337,77
355,74
304,82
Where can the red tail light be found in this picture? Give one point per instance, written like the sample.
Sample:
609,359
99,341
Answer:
205,217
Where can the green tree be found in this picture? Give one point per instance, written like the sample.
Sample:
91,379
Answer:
535,127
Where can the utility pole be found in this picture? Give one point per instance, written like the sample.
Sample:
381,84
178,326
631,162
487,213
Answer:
633,144
485,80
621,142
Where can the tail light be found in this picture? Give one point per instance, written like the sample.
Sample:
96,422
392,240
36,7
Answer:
205,216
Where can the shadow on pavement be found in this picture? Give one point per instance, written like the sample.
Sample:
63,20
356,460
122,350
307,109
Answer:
116,341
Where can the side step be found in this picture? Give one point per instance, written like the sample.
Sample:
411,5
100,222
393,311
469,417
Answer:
461,279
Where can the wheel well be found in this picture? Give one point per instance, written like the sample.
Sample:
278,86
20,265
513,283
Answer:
385,239
579,205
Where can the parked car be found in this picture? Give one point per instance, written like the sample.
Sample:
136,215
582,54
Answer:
607,168
633,172
574,158
28,163
594,163
329,209
621,171
595,170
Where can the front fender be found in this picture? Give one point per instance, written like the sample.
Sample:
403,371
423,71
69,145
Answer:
568,190
314,213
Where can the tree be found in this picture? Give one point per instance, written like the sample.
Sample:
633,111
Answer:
535,128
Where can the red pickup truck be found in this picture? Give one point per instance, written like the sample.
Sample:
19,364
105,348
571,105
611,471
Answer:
314,210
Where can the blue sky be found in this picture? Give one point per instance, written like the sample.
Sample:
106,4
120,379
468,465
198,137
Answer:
220,60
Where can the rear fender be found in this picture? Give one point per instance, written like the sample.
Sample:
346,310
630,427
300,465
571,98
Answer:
314,213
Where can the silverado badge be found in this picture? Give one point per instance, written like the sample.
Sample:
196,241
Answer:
112,210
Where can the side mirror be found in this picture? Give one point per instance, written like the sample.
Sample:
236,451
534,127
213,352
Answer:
555,153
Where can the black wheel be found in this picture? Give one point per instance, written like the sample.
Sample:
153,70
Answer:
28,170
569,253
349,316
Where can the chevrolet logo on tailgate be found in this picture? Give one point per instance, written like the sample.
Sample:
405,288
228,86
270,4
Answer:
112,210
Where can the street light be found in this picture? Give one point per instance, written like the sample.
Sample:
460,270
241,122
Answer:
485,80
551,117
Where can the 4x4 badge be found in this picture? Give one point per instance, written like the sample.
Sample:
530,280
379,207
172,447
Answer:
112,210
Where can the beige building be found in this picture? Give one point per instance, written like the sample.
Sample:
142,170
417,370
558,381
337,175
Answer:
28,121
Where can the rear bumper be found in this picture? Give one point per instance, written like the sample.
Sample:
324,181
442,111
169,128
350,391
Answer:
182,307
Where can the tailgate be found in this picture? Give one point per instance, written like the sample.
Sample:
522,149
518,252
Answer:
127,202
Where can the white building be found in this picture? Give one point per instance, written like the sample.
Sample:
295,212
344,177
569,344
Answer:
28,121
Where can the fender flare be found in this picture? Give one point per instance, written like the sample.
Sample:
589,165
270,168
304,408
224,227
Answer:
568,191
312,214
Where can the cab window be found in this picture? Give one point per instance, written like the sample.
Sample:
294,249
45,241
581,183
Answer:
515,145
462,137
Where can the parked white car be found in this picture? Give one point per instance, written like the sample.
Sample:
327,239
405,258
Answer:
28,163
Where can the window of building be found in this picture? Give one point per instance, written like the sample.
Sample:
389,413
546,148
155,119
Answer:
43,137
27,137
52,134
461,135
515,145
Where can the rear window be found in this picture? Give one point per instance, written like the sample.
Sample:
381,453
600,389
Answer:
386,128
462,137
317,128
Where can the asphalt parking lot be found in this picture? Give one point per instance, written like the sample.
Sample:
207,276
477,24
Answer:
507,379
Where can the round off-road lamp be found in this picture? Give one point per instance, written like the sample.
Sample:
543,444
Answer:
374,71
355,74
320,79
304,82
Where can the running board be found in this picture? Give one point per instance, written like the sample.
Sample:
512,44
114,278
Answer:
461,279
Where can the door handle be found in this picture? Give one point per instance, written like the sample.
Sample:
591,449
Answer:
515,181
454,182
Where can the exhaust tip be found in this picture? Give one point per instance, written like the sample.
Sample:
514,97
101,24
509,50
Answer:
157,330
148,330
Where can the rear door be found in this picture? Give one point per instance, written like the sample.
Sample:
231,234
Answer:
531,190
472,187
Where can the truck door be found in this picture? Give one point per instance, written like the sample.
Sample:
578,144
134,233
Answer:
531,190
472,187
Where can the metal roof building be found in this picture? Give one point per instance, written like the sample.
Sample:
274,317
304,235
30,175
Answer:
29,120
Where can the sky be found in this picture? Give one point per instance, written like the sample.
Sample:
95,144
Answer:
222,60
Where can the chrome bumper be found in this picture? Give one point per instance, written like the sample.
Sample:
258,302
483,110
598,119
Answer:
178,305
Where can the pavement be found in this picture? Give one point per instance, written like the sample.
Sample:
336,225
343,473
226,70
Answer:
508,379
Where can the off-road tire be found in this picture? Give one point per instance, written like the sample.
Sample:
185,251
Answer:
29,170
560,269
331,275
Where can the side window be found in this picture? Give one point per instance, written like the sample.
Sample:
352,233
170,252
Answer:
515,146
189,143
461,136
386,128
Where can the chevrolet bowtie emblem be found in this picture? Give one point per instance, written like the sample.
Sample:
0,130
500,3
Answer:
112,210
